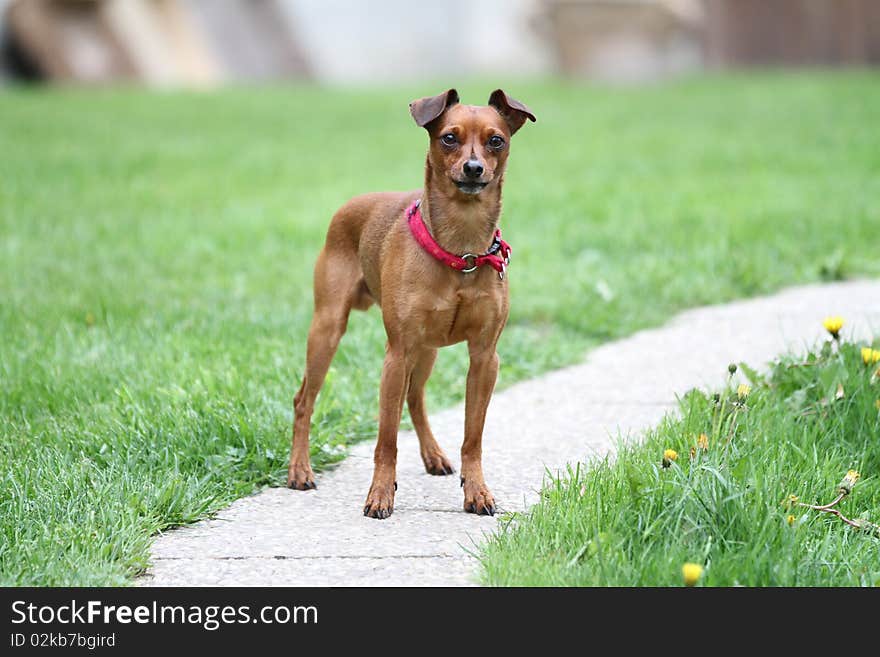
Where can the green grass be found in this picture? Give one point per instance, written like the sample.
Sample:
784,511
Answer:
156,252
630,521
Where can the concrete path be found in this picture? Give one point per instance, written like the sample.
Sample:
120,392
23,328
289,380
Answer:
282,537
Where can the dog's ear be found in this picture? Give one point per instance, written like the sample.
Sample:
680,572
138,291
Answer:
425,110
513,111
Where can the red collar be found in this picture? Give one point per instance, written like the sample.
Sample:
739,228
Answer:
465,263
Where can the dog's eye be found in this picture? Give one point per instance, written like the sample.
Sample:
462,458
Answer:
496,142
449,139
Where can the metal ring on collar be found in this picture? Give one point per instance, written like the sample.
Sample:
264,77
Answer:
471,261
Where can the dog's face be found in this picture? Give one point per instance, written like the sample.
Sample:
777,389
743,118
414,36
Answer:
469,144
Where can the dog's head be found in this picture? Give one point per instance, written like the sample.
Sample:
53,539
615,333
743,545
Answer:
469,143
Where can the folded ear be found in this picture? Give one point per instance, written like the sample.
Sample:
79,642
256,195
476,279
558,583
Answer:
425,110
513,111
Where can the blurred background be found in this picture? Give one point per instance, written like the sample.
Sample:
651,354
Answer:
205,43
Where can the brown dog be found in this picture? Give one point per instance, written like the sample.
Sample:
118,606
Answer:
372,256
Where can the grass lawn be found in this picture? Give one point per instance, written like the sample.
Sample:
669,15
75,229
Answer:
725,504
156,253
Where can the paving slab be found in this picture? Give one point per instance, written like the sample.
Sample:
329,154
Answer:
281,537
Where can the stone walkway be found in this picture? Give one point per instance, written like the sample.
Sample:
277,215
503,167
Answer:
288,538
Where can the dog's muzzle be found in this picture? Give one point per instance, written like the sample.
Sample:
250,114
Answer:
470,186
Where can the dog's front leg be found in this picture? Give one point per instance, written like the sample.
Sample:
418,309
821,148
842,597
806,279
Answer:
481,378
380,500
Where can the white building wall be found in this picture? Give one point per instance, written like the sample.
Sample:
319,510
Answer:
388,40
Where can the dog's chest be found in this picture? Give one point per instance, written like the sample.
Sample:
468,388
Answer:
459,315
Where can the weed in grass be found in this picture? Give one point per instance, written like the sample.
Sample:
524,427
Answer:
636,518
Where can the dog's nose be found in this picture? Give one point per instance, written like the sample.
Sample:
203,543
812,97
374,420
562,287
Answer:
473,169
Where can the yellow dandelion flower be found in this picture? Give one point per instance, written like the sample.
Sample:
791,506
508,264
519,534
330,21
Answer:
743,390
669,456
691,572
791,500
875,355
833,326
866,355
846,485
703,442
790,520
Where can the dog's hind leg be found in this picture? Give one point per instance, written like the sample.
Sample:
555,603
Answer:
338,288
433,457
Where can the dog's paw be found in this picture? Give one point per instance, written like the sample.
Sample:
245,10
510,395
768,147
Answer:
436,463
300,477
380,501
478,499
